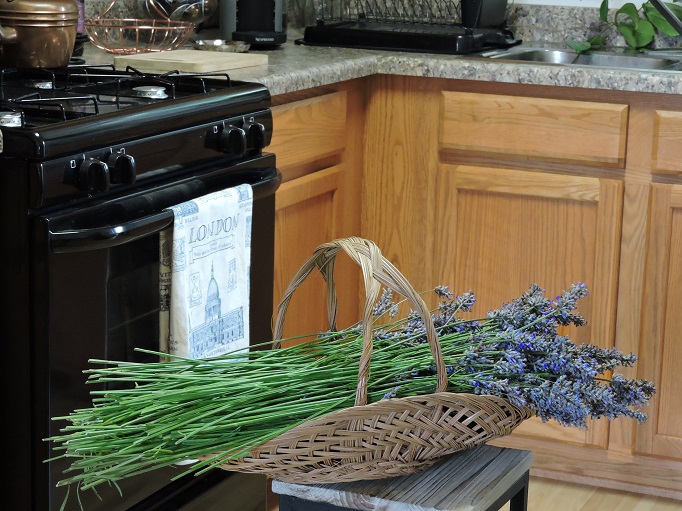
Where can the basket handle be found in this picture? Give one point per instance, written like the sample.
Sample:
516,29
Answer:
376,270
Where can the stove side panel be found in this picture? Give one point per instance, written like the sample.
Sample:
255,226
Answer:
15,305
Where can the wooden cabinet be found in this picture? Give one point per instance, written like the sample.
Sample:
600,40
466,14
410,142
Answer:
316,140
505,229
491,187
661,326
553,130
660,338
667,137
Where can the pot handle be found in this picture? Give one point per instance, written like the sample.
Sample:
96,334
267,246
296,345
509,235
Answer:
8,35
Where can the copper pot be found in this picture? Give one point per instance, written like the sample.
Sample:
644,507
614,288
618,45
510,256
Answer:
35,33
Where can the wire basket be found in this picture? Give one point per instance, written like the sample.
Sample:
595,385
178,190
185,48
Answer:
127,36
389,438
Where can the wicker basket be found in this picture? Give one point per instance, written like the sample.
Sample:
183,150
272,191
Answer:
389,438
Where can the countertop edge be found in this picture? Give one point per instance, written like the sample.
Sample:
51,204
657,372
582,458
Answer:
294,68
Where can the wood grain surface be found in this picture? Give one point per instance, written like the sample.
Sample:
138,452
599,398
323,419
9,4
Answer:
318,143
467,481
488,186
544,495
667,140
534,128
190,61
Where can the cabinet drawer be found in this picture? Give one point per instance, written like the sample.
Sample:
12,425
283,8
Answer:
307,131
667,148
534,128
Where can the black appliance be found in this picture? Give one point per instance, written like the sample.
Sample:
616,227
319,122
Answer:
90,158
483,13
262,23
436,27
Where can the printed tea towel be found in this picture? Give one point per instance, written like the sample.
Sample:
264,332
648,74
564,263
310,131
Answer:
204,275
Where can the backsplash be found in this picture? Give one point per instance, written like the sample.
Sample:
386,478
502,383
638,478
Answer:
121,9
557,24
530,22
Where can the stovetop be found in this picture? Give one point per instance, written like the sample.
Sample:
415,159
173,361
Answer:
47,96
86,130
49,112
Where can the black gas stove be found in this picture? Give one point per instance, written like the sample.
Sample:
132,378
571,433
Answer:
91,159
98,129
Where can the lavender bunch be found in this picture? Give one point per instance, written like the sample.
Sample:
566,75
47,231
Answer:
147,416
517,353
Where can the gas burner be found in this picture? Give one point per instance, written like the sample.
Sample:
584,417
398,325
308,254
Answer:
38,84
11,119
151,91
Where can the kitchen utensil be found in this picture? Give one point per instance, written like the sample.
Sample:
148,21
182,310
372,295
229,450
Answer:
37,33
192,11
129,36
190,61
433,26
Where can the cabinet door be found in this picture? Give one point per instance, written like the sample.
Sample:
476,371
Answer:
502,230
306,213
528,128
320,159
660,347
310,134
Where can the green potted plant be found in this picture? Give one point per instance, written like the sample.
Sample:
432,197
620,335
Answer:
638,26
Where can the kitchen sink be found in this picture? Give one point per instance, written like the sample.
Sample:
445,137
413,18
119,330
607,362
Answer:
603,59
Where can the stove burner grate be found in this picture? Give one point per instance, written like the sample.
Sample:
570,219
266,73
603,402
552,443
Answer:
47,96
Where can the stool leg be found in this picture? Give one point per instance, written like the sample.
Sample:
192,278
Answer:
519,502
289,503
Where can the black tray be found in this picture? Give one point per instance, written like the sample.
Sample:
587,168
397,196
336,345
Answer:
413,37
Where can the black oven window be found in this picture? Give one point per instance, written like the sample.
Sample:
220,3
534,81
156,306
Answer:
133,300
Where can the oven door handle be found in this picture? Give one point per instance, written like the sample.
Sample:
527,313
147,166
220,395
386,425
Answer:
95,238
81,240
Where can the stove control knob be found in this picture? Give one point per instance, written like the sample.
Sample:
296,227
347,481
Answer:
232,140
255,135
122,168
93,176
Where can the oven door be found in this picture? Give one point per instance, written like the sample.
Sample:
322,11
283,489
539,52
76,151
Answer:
96,284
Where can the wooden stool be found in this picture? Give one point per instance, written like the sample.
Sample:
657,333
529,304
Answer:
481,479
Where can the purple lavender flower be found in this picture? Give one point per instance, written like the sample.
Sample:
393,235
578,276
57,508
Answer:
443,292
385,305
517,353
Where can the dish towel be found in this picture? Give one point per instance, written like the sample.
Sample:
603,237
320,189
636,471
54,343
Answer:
205,262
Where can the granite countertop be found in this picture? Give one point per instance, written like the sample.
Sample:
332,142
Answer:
294,67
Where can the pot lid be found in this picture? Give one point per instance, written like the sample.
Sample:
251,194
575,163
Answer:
58,8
